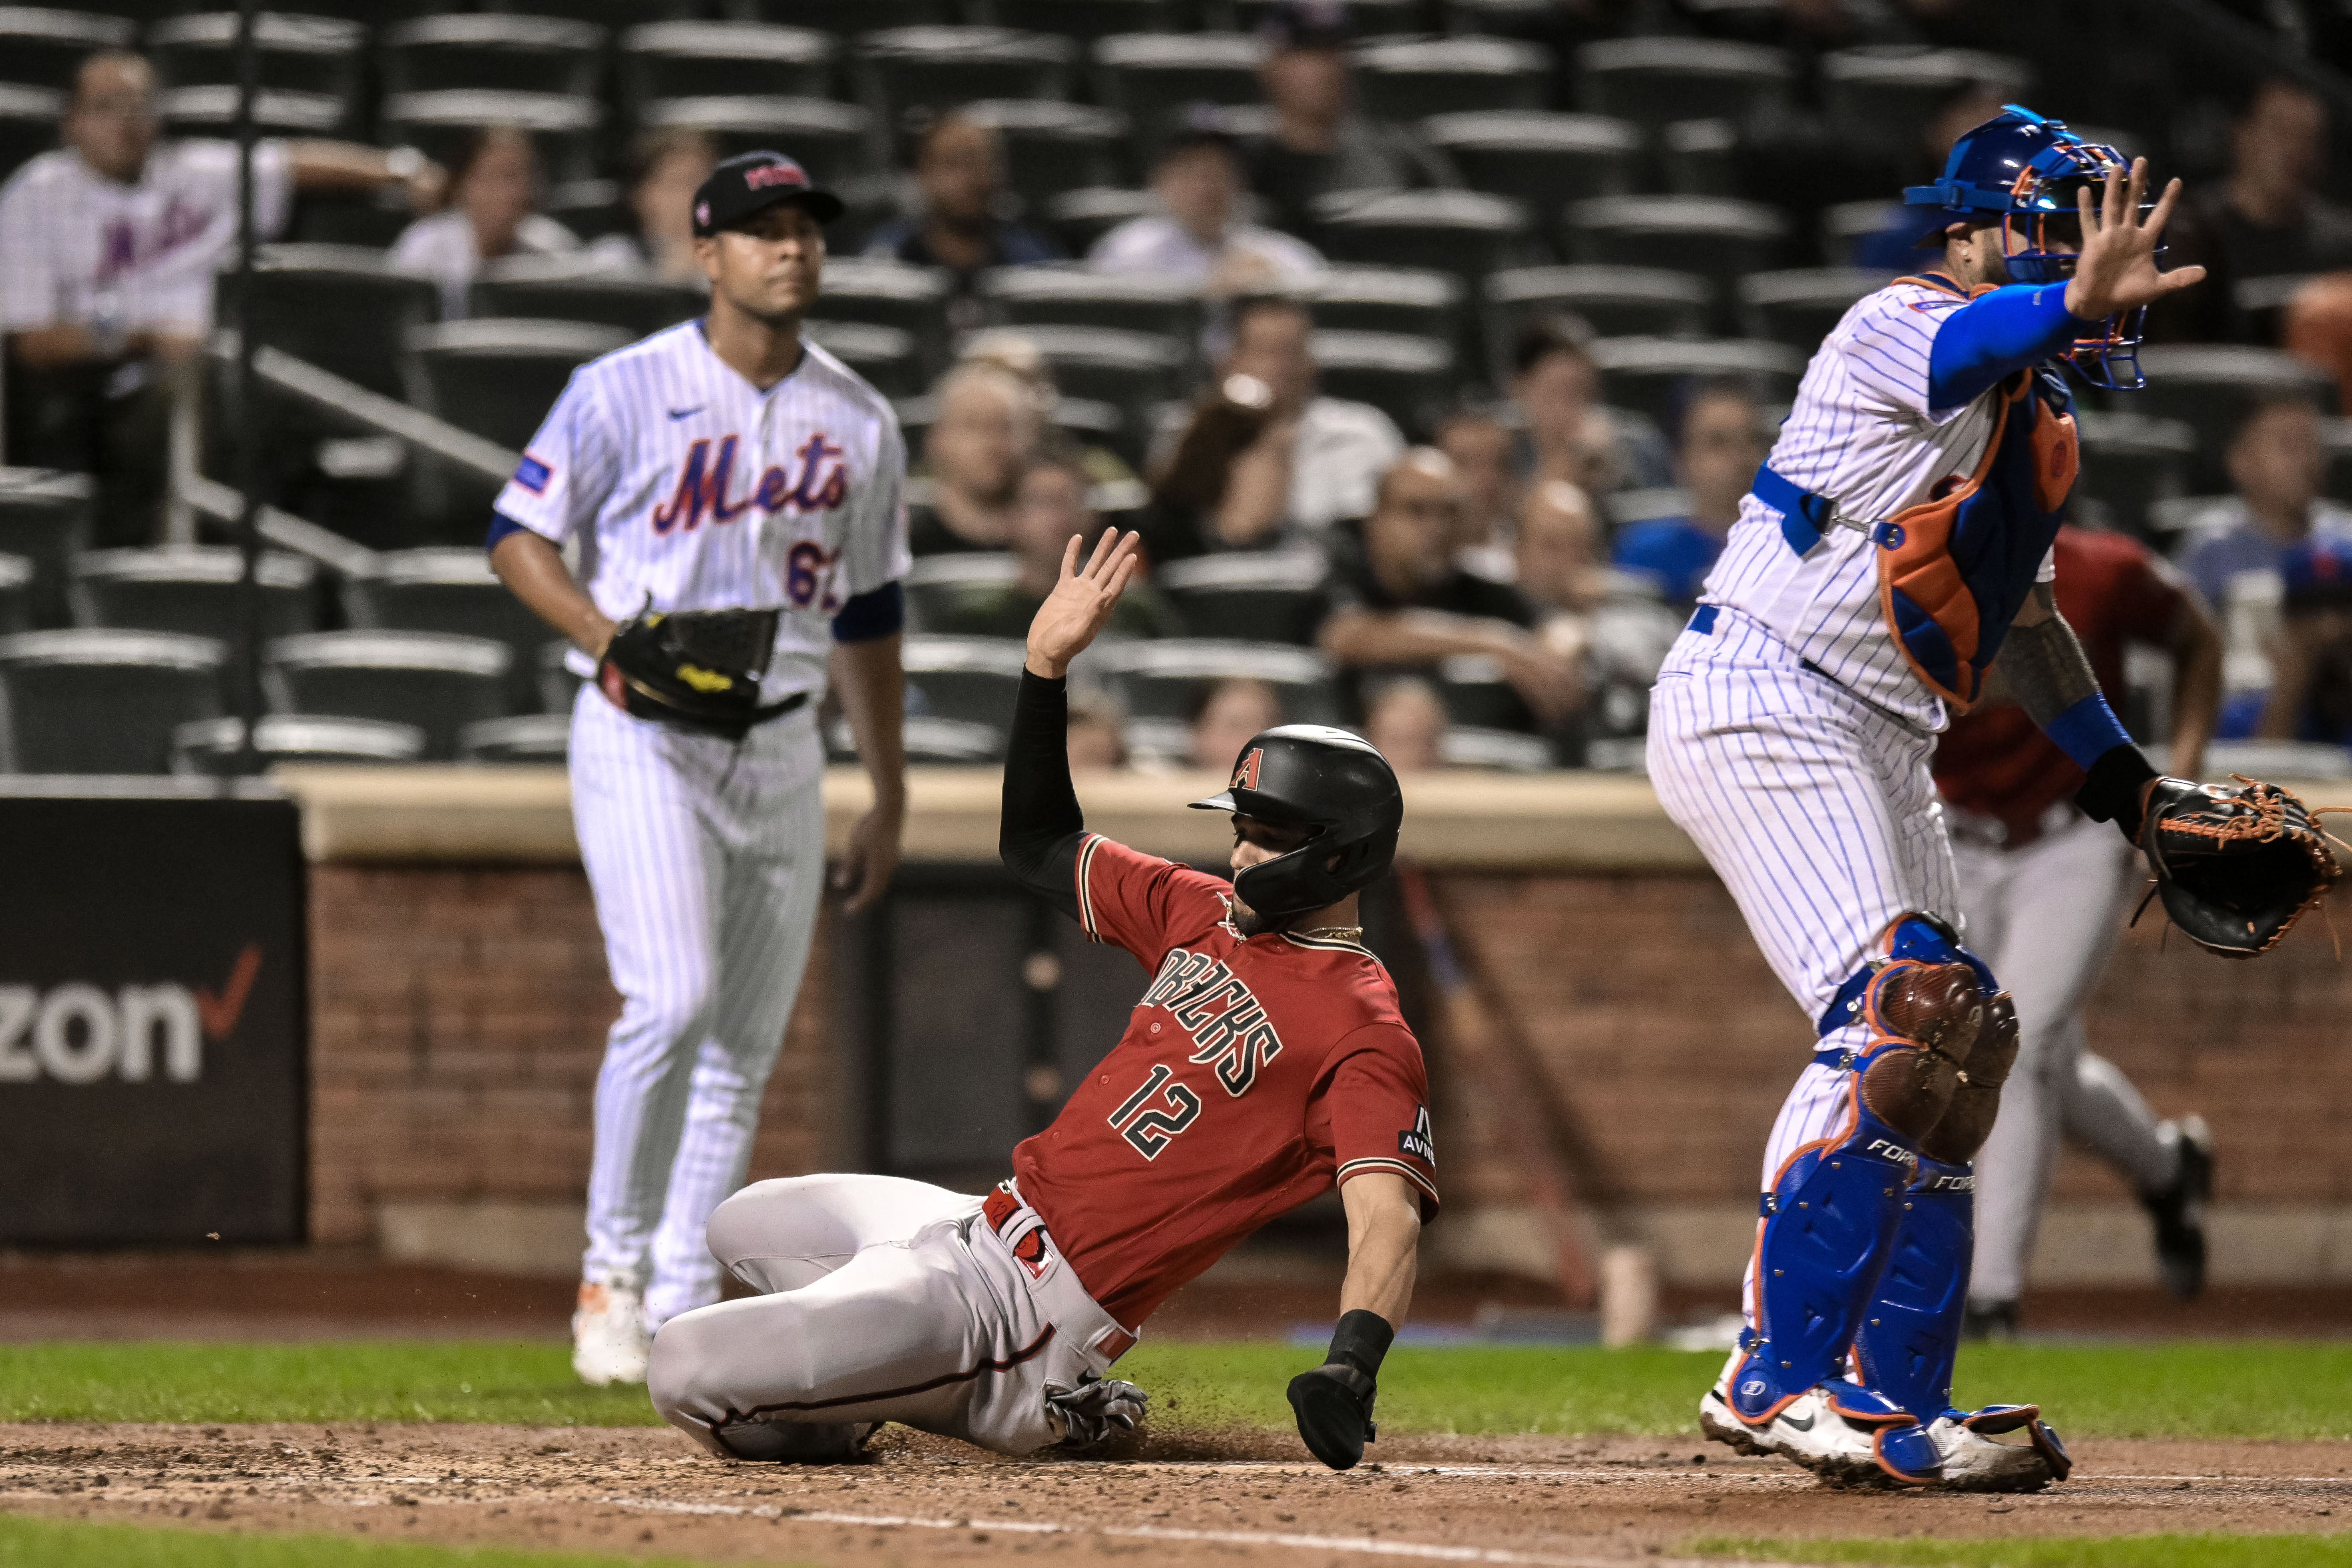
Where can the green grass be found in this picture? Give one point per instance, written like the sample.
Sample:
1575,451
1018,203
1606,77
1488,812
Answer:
2212,1389
41,1543
2055,1552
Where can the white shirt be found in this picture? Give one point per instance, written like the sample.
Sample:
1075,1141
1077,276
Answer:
442,246
1162,245
1341,450
683,480
77,248
1861,432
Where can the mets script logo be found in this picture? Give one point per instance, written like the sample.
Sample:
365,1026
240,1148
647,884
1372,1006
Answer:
1227,1025
1245,771
704,482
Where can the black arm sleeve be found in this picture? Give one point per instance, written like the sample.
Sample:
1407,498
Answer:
1042,826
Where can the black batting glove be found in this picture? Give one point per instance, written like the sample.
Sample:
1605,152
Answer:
1334,1402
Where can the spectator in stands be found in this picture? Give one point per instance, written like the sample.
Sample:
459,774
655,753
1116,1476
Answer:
1566,433
1097,742
494,190
1720,443
108,247
1319,143
2267,220
959,184
1014,352
665,168
1558,546
1262,452
2311,691
1407,722
2276,460
1224,714
1199,234
987,429
1401,602
1479,442
1049,506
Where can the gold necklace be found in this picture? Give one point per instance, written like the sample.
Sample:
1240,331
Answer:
1333,933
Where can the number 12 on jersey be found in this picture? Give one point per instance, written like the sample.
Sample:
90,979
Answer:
1150,1131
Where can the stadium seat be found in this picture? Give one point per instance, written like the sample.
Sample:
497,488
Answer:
1891,93
1130,371
493,51
563,128
211,747
971,679
1153,78
322,56
1700,158
1409,379
1410,80
1719,239
212,112
1080,217
1074,296
932,741
1846,225
573,288
1540,159
45,517
2131,463
557,682
1655,81
16,595
197,589
702,59
437,681
1475,694
449,589
2209,386
1050,147
1464,233
28,123
939,68
524,738
343,308
1495,750
891,294
42,48
1270,596
883,355
96,701
830,140
1642,374
1615,302
1799,308
1086,20
1414,300
496,376
845,18
1158,679
937,586
1366,19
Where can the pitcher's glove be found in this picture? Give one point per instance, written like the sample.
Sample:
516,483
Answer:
698,669
1091,1412
2235,867
1334,1402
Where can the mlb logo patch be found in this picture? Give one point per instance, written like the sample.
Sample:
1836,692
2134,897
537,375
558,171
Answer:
533,475
1245,771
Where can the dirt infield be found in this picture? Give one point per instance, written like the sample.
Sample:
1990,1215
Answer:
1551,1502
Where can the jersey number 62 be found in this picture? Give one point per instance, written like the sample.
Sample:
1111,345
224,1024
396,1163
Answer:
1150,1131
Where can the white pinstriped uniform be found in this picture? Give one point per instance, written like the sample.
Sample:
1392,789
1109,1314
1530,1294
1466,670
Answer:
681,480
1790,740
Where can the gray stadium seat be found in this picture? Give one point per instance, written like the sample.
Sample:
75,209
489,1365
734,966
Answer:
1847,223
1130,371
92,701
971,679
211,746
449,589
698,59
1799,308
1086,20
2209,386
2132,463
830,140
891,294
1074,296
495,51
563,128
1475,694
1642,374
1156,679
1495,750
343,308
1700,158
1368,19
1053,147
883,355
438,682
1409,379
28,123
212,112
934,741
1415,300
16,595
316,54
573,288
557,683
1271,595
1153,78
45,517
1538,158
1080,217
937,584
1464,233
498,376
939,67
1891,93
845,18
1656,81
1719,239
525,738
196,589
1615,302
41,48
1410,80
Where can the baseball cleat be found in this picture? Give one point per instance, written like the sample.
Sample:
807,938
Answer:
1988,1318
1976,1459
2178,1209
1847,1434
610,1342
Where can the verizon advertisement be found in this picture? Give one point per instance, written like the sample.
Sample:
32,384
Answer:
152,1021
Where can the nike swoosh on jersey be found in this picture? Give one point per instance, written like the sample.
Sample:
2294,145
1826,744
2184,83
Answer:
686,413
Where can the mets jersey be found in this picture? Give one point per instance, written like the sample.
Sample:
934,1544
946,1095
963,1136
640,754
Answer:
1862,432
683,482
1253,1076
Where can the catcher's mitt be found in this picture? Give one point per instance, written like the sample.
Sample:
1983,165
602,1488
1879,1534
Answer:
2235,867
697,668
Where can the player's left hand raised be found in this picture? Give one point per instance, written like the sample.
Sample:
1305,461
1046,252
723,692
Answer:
2116,270
1081,602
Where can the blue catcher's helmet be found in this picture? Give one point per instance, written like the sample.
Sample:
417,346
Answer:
2025,170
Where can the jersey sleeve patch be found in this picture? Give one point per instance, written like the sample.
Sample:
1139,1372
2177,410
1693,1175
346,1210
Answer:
533,475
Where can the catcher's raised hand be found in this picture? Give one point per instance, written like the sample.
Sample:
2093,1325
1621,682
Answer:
2116,270
1081,602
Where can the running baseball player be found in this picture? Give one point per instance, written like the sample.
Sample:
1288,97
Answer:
733,492
2042,888
1266,1061
1895,544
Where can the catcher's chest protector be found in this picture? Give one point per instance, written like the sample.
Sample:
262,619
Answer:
1955,569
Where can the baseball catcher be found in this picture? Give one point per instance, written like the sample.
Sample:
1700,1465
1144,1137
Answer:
1267,1061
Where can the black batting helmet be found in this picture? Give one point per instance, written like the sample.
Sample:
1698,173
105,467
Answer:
1328,780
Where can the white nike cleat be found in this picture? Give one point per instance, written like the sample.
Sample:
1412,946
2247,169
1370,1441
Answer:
1844,1433
1976,1459
610,1342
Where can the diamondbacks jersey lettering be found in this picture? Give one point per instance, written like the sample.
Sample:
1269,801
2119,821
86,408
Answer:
1287,1045
1860,431
684,481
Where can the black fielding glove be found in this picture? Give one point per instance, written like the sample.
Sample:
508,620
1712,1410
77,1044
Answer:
2117,789
1334,1402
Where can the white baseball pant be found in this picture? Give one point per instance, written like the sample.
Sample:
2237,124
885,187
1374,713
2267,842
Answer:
707,859
2045,917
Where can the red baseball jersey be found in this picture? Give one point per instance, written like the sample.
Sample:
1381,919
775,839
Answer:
2113,590
1253,1075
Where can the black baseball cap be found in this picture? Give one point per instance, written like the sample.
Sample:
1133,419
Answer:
750,181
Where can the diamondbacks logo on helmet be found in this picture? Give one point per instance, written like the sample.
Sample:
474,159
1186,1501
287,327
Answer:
1245,771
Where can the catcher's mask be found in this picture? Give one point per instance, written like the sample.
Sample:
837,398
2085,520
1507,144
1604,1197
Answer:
2026,170
1337,786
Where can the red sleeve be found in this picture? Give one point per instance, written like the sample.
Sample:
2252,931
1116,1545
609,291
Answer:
1140,903
1374,1108
2150,593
